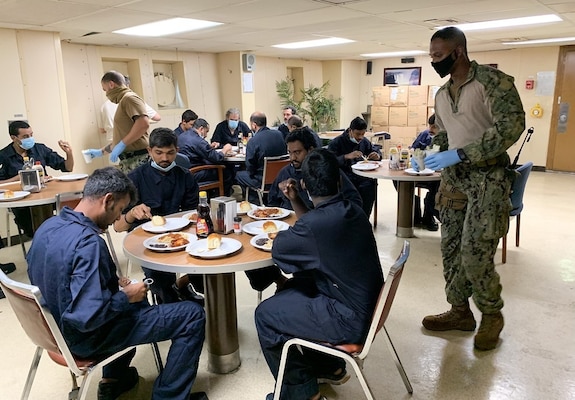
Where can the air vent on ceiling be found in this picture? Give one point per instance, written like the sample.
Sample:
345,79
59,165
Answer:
442,22
338,2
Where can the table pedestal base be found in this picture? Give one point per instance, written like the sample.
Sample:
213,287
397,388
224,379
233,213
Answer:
405,192
221,323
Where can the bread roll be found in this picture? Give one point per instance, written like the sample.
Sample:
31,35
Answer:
158,220
245,206
8,194
269,227
214,241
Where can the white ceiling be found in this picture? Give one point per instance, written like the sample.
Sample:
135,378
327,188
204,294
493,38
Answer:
255,25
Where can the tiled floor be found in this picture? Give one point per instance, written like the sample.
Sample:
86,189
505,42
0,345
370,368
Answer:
535,358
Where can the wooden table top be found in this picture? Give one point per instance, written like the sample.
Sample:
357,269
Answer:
247,258
46,196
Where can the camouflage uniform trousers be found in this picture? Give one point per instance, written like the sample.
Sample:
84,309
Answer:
130,164
469,236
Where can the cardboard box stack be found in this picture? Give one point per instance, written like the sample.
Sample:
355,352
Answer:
402,111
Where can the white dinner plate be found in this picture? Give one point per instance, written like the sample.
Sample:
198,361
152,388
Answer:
266,242
200,248
155,244
365,166
189,214
281,213
240,212
20,194
71,177
426,171
172,224
256,227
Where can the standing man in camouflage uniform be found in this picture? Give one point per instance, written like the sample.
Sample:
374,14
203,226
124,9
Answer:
479,115
131,123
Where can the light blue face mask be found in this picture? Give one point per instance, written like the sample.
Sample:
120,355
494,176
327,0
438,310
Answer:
159,168
233,124
27,143
353,140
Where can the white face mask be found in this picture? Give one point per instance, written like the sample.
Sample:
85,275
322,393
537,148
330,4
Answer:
353,140
167,169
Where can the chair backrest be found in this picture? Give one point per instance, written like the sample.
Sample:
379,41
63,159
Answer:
385,299
70,199
518,187
272,166
219,184
183,161
36,319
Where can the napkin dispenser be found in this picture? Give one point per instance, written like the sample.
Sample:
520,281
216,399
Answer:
30,180
224,210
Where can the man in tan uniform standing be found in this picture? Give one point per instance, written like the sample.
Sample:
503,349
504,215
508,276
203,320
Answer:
131,124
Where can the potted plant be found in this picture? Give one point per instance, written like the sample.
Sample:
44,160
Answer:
315,104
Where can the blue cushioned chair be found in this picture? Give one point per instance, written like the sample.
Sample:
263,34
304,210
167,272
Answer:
517,191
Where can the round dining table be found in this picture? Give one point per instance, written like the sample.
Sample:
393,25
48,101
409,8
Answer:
405,192
45,196
219,286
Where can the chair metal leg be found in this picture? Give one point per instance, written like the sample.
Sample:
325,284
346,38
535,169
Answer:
8,238
113,252
398,363
375,207
517,230
504,250
261,197
157,357
259,296
32,373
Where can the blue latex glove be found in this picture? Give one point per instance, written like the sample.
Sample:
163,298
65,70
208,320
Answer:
117,150
441,160
95,153
414,164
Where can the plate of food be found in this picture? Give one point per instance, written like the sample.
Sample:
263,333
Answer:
365,165
426,171
265,241
172,241
159,224
10,195
71,177
215,246
245,206
191,216
269,213
264,226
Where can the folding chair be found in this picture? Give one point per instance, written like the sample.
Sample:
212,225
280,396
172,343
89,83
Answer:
517,191
42,329
355,354
218,184
272,166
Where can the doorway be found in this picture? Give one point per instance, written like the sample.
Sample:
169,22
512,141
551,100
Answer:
562,132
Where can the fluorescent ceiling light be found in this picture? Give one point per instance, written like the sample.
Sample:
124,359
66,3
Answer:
394,54
506,23
313,43
167,27
540,41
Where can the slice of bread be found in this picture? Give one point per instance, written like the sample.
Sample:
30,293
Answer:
269,227
158,220
214,241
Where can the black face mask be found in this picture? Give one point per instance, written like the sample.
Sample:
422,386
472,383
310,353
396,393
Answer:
444,66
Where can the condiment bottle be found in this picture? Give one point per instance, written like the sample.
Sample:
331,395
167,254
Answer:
38,166
238,225
27,164
204,224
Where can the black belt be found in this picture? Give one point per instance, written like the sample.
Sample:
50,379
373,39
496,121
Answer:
126,155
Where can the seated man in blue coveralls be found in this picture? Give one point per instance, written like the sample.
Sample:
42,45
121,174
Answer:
350,147
163,188
333,292
70,263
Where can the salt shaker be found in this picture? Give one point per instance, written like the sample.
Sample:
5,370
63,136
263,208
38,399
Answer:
238,225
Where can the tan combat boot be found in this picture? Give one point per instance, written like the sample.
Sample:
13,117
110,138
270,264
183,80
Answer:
458,318
488,333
